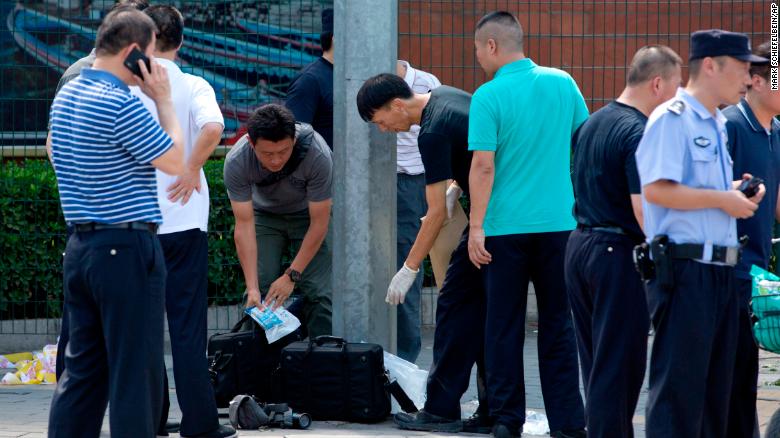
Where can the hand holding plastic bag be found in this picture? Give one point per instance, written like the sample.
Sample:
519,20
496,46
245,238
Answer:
276,323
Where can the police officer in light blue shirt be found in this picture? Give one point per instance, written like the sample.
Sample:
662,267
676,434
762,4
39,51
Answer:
690,206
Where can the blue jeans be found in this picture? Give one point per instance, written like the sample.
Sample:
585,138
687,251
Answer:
411,207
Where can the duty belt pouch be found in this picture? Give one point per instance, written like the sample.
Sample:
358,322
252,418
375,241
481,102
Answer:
242,362
660,249
643,263
332,379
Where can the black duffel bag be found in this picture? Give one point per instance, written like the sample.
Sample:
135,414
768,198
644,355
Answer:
242,362
331,379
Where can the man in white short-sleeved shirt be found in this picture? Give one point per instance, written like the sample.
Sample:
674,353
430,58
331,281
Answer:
184,203
411,207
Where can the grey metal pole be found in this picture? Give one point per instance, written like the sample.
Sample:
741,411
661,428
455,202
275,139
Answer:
364,211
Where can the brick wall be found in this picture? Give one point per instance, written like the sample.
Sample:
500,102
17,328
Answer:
592,40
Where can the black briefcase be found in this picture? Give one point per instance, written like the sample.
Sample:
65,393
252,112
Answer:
331,379
242,362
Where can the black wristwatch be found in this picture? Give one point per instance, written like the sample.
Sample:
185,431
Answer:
294,275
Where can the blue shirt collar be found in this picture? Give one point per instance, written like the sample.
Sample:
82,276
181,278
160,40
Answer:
515,67
698,108
102,75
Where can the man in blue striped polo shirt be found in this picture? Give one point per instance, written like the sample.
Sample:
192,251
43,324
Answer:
105,147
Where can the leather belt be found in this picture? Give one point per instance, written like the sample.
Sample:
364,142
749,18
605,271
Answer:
612,230
728,255
137,226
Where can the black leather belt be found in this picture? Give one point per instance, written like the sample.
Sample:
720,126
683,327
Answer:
95,226
613,230
695,251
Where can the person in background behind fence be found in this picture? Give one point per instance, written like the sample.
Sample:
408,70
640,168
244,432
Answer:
104,151
411,207
754,145
520,128
602,282
184,203
310,97
690,203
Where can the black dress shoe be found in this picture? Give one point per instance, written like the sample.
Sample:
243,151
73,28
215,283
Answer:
576,433
504,431
427,422
480,422
172,426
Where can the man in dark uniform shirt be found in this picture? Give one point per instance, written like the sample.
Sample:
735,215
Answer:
754,145
310,97
442,114
602,283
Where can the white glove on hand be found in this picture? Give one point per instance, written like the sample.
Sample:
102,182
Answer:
400,285
453,194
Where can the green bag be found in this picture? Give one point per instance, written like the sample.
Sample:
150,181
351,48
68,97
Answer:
766,309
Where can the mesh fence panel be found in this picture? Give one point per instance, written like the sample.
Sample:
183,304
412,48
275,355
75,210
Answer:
249,51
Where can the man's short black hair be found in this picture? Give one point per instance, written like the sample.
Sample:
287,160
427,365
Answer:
378,91
121,28
761,69
326,41
170,26
271,122
652,61
511,30
137,4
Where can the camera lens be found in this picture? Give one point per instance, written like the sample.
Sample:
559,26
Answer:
302,421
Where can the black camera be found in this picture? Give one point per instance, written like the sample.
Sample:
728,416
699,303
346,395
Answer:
749,187
280,415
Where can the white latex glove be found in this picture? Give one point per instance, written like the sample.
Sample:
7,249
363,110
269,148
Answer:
453,194
400,285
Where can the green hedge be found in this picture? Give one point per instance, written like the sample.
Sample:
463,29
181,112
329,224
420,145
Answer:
32,239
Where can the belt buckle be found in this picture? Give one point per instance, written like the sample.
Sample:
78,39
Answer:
732,256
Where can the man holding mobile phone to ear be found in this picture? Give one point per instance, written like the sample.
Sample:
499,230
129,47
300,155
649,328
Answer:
104,152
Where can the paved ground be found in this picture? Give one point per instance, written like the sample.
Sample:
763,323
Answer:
24,409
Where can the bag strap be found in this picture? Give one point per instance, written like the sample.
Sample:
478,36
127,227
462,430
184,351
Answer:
398,393
240,322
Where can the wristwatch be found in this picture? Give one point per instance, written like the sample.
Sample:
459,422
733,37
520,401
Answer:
294,275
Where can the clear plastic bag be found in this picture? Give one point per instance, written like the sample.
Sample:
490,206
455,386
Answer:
410,377
276,323
535,423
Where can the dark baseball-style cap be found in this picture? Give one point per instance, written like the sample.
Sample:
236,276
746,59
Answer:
716,42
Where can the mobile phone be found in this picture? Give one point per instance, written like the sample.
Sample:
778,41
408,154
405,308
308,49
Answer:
131,62
750,186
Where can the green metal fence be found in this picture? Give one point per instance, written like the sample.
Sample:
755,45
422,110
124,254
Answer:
249,51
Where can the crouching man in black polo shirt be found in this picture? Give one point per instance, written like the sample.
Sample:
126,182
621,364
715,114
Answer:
105,147
607,296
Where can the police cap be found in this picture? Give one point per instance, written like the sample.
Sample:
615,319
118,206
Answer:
717,42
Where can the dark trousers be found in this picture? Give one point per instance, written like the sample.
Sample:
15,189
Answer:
278,233
459,335
186,303
516,259
611,322
411,207
692,362
114,283
742,410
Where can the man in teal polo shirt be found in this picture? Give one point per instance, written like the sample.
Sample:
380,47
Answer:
520,129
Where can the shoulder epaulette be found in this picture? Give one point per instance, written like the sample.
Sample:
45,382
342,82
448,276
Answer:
677,107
